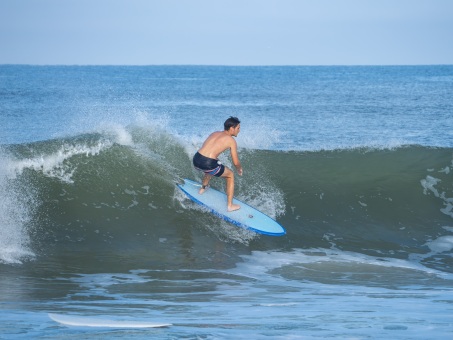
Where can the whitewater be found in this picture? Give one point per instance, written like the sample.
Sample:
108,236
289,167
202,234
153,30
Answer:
355,162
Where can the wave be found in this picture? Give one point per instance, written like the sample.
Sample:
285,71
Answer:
115,191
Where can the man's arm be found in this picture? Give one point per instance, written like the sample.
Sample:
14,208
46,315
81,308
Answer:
235,157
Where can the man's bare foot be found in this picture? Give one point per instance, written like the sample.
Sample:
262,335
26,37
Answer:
203,189
233,207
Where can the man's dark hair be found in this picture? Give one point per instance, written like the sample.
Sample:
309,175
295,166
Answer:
231,122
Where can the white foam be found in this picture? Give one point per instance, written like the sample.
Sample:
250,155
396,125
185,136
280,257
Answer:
266,197
445,170
428,185
448,209
54,165
441,244
261,262
259,135
119,132
16,207
14,218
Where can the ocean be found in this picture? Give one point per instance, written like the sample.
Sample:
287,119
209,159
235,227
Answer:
355,162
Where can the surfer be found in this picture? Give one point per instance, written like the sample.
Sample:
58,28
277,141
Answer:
206,159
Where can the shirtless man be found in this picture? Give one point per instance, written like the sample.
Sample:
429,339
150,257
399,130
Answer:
206,159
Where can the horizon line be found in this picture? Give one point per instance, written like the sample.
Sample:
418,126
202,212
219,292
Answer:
225,65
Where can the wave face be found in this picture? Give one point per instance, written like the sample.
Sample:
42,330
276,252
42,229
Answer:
115,193
355,162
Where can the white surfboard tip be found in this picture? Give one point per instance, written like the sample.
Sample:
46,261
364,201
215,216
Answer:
85,321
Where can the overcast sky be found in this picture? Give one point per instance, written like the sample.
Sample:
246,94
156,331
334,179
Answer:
233,32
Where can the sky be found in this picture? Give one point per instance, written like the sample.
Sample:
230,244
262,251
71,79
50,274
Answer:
226,32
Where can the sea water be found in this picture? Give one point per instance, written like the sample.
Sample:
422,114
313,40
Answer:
355,162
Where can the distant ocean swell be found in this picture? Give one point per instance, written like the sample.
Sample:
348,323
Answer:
115,192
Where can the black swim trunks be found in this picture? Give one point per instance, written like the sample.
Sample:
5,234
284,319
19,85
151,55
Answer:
208,165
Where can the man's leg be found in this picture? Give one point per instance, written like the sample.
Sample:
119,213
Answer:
204,183
229,177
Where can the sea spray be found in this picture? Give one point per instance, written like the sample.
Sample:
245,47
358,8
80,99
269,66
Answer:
16,206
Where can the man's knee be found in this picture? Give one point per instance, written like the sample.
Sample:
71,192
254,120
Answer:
228,173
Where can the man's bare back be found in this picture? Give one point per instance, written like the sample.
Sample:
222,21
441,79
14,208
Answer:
216,143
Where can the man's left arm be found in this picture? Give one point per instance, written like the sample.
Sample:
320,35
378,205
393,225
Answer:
235,157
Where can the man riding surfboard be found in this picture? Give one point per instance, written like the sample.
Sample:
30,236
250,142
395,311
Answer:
206,158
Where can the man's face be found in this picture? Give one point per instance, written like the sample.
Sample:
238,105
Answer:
236,130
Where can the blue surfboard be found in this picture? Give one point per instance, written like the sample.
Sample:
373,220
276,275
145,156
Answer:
247,217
